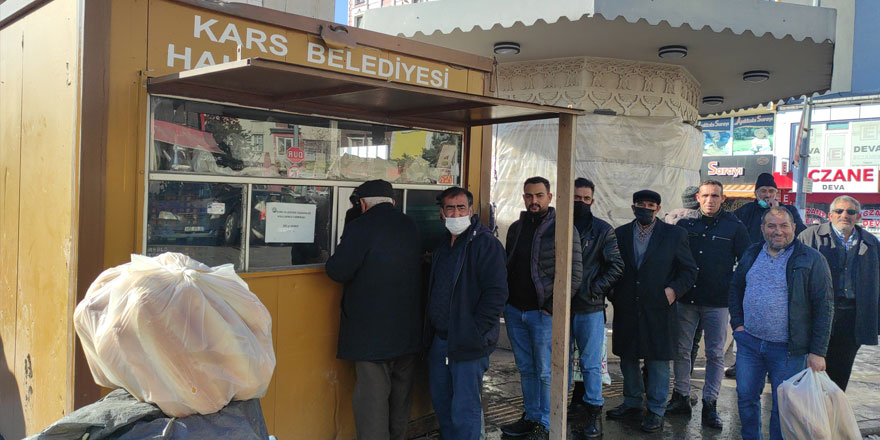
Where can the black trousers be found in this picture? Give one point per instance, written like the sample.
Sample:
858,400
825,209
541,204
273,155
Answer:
382,398
842,347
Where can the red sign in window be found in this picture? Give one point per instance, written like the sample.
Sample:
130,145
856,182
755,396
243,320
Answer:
296,155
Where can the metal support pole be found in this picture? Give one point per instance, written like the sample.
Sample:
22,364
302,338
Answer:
803,156
562,281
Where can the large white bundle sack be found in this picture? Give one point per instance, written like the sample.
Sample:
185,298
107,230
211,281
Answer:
174,332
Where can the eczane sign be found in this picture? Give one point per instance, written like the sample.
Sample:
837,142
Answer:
844,180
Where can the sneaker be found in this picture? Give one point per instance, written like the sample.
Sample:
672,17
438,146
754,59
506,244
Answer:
520,427
539,433
710,415
678,404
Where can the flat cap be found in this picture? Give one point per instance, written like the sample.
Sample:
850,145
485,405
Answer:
375,188
646,195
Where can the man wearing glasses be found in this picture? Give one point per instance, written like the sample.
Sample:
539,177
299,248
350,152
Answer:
780,312
854,257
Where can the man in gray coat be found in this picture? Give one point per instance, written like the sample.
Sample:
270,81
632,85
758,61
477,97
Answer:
854,257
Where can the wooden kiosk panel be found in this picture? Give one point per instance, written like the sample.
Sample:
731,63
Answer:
12,424
40,101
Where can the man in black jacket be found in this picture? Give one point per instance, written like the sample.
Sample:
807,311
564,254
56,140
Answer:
780,310
751,214
717,240
379,261
603,266
658,270
531,267
468,291
854,257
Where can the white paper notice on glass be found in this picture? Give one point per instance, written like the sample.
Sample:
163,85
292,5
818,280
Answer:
290,222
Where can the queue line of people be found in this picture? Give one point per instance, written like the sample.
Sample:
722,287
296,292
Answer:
791,303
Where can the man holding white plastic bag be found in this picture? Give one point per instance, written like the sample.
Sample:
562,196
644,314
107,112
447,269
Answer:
379,262
780,311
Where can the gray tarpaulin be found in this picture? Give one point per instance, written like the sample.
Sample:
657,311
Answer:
620,154
120,416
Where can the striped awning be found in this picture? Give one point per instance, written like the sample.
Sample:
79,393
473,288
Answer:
740,191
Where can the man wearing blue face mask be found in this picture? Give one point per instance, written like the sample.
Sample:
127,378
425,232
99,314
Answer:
750,214
468,291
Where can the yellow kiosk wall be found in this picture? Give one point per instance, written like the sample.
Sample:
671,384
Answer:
39,151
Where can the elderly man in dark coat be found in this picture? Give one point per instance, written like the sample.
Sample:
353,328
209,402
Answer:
658,269
379,261
854,257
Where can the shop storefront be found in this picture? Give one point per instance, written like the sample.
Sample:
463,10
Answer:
233,134
844,154
860,183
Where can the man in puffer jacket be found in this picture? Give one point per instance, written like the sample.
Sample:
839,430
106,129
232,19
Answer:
531,266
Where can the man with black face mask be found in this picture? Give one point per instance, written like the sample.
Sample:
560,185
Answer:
658,269
603,266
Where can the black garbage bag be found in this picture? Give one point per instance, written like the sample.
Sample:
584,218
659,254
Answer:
119,416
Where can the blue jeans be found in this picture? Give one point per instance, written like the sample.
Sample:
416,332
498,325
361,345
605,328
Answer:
455,392
755,358
531,335
634,384
588,332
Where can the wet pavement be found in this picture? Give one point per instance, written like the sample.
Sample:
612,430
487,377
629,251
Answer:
504,402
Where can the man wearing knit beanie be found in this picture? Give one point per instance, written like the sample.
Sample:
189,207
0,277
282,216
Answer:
765,197
689,206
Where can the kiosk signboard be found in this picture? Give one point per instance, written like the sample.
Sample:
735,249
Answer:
184,38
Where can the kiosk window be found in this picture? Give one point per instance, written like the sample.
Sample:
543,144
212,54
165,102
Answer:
195,137
202,220
290,226
422,206
258,188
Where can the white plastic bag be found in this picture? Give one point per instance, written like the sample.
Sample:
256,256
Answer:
176,333
812,406
606,378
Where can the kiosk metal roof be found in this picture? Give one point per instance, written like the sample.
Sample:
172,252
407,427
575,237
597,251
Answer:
288,87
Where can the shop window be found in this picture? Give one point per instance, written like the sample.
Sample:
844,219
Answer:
290,226
202,220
